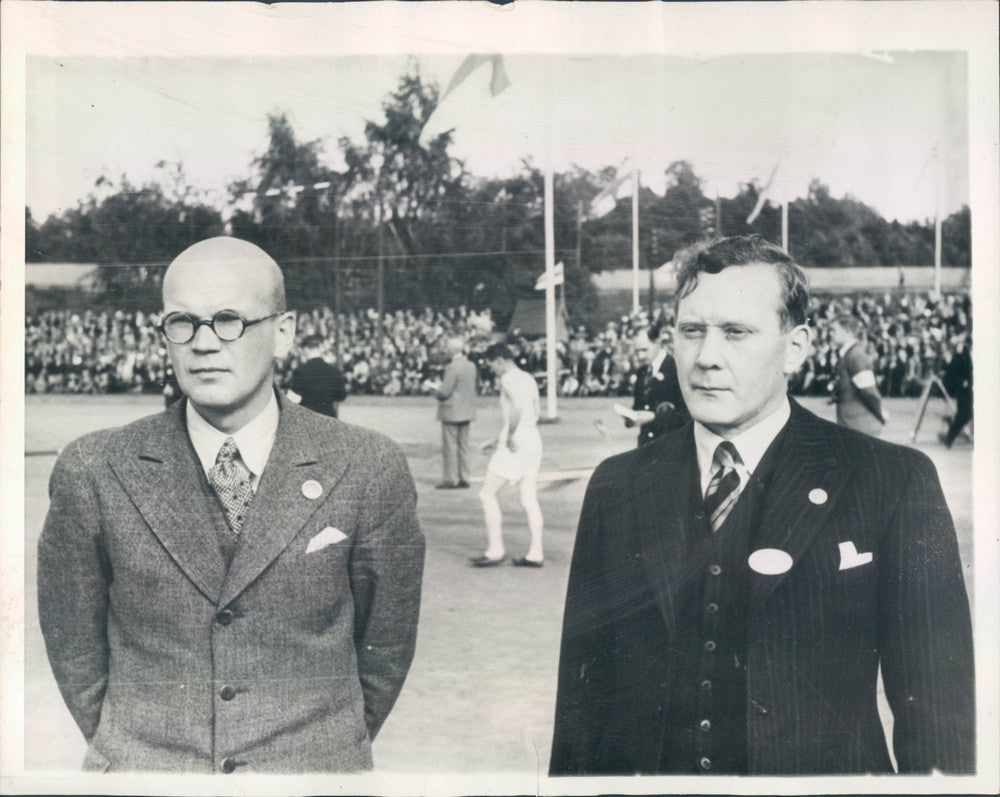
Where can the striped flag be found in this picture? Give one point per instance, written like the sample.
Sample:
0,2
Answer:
762,197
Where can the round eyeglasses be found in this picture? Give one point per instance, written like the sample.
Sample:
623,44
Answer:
226,324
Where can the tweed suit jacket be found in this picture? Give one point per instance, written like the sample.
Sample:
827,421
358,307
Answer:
817,633
289,659
457,394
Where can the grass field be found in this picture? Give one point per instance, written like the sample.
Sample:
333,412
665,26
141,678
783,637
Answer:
480,694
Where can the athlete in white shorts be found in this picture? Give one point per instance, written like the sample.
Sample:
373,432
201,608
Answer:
517,459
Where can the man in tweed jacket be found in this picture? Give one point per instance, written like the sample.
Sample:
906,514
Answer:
265,629
737,584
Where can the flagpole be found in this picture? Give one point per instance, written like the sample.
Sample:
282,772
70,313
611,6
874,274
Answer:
635,240
937,240
550,296
784,227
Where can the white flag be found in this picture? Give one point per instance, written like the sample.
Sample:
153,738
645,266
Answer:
762,197
439,122
559,274
607,199
498,77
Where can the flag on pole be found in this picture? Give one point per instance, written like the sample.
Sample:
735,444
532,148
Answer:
762,197
558,277
607,198
498,78
439,122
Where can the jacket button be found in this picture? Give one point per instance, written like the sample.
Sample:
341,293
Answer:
228,765
715,570
705,725
710,646
706,685
225,617
227,693
712,608
705,763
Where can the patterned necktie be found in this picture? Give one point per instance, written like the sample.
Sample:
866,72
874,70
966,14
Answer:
230,479
724,488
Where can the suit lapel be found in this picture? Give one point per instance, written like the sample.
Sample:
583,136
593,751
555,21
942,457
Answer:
807,479
280,508
163,477
662,495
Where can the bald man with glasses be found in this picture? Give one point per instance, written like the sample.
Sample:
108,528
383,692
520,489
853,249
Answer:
232,585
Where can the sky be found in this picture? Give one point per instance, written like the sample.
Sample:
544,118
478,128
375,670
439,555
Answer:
890,130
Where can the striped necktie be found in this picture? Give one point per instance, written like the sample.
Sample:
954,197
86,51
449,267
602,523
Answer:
230,479
724,488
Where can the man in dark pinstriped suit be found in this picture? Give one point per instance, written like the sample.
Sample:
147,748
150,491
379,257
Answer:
737,584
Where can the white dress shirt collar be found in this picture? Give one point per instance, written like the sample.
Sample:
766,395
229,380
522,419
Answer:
654,366
254,440
750,443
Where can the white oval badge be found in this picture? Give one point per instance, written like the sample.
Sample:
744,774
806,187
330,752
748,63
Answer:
312,489
818,496
770,561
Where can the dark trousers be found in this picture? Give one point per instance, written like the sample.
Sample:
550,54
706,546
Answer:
963,414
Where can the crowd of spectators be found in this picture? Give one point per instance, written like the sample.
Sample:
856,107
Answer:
909,337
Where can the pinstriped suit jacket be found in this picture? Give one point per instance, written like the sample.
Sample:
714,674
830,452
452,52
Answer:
817,634
287,660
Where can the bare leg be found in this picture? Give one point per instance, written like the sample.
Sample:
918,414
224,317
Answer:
528,487
491,512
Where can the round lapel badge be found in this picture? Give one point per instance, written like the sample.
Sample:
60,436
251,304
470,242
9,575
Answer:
818,496
312,489
770,561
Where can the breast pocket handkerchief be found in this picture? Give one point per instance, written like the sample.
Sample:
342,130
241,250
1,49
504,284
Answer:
851,557
327,536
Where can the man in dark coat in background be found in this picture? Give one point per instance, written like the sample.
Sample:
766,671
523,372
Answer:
958,382
656,387
321,385
738,583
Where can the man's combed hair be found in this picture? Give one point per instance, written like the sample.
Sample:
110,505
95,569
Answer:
498,351
743,250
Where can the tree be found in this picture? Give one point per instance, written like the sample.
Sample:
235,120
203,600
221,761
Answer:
956,238
413,190
287,215
131,232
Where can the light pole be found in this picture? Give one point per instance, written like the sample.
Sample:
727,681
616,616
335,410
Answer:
378,161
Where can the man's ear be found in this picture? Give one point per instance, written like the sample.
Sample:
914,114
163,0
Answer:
284,335
797,348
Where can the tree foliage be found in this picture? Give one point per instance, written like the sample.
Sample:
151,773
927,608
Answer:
443,236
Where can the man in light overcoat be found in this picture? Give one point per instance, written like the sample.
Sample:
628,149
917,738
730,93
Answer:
232,585
456,410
